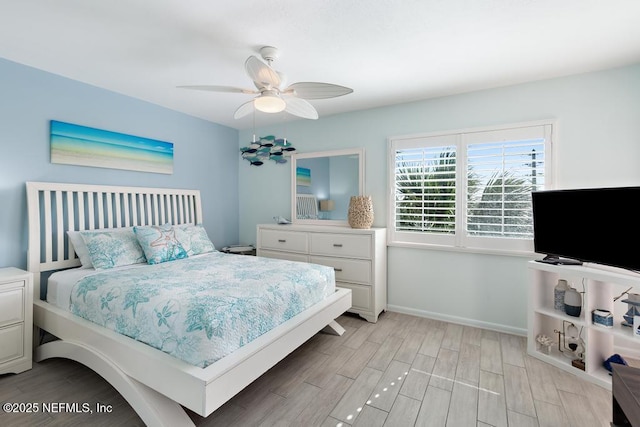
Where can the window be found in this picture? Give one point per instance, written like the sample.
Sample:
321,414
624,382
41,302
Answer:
468,189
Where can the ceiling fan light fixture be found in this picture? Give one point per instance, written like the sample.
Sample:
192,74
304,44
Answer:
269,104
271,85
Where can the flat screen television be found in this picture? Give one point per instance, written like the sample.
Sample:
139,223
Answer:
597,225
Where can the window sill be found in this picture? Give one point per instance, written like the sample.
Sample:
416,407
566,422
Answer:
431,247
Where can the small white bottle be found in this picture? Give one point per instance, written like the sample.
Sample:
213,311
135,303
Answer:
558,294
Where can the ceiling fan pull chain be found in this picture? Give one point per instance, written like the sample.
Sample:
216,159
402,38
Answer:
284,138
254,125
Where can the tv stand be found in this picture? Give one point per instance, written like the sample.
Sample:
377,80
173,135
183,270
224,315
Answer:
598,287
554,260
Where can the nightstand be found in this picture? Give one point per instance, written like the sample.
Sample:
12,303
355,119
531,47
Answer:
239,250
16,320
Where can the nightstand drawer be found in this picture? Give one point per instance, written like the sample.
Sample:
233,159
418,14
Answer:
348,270
12,339
344,245
283,240
360,295
12,305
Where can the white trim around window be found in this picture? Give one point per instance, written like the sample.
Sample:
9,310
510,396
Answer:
468,189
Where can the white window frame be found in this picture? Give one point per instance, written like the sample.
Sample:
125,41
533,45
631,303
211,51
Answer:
460,241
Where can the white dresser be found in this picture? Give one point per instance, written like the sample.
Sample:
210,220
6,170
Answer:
359,258
16,320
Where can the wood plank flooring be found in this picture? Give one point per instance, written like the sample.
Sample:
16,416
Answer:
401,371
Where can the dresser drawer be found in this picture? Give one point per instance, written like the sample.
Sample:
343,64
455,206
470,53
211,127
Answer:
284,255
360,296
12,305
12,339
346,245
284,240
348,270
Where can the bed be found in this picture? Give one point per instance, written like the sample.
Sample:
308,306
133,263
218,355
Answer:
129,365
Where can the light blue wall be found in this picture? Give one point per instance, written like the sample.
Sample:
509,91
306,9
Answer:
30,98
598,144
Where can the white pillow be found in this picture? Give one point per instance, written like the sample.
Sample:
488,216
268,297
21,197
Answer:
80,247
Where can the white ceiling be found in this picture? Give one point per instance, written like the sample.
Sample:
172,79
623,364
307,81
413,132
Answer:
388,51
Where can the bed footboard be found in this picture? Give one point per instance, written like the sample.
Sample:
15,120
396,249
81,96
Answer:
153,408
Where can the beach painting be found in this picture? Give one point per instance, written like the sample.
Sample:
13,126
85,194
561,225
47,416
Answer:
303,176
84,146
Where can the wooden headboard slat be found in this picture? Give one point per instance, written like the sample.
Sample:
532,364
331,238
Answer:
125,208
110,220
48,234
100,210
71,220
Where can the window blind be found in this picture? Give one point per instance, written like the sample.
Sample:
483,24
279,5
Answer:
500,178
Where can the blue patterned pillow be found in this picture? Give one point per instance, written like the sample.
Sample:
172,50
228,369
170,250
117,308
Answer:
113,248
160,243
194,239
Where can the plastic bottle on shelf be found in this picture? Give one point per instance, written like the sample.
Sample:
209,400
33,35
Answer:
558,294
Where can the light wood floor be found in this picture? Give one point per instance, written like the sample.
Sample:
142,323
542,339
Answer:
401,371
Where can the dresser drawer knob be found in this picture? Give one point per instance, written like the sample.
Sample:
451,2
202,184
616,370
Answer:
337,269
337,245
281,240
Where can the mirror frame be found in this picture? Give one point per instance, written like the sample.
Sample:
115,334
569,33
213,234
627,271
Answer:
294,162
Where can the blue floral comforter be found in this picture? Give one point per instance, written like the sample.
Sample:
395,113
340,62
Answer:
200,309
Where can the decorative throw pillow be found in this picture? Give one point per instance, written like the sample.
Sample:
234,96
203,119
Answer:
194,239
115,248
80,247
159,243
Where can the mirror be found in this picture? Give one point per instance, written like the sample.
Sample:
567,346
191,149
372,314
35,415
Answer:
322,184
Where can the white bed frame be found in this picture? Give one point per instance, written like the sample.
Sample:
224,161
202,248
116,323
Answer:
154,383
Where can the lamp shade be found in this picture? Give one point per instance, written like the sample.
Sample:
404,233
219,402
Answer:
327,205
269,103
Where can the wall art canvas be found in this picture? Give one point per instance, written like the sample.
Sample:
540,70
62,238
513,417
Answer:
84,146
303,176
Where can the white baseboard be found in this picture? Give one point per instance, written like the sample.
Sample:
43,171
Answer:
459,320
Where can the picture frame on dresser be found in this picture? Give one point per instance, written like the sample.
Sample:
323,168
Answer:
16,320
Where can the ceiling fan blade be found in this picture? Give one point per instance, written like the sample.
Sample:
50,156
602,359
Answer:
315,90
214,88
243,110
301,108
261,73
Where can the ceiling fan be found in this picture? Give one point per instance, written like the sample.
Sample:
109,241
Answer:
272,97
